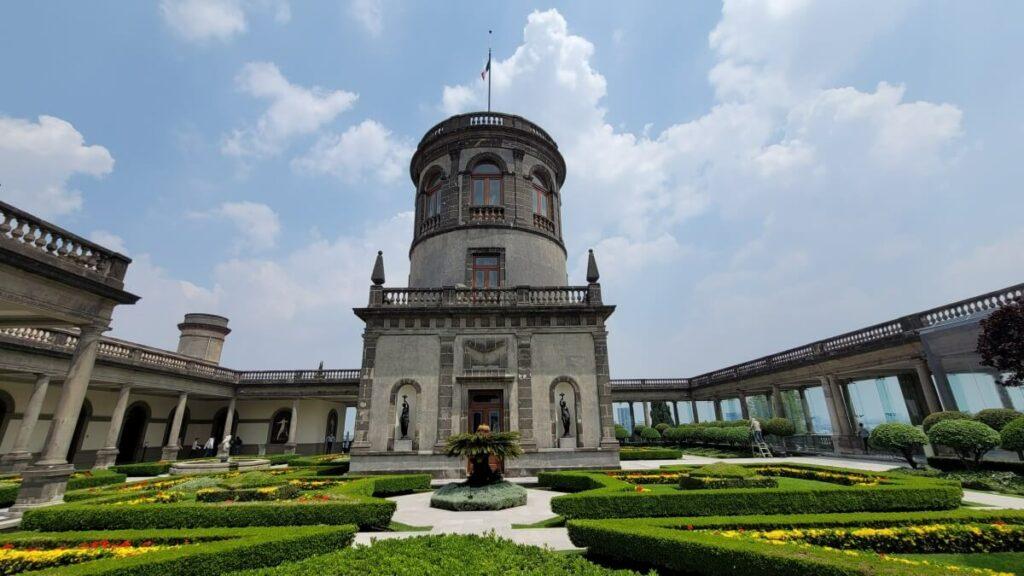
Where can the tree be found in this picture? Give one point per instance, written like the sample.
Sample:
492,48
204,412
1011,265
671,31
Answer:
970,439
479,446
900,438
661,414
997,418
621,433
1001,343
936,417
1012,437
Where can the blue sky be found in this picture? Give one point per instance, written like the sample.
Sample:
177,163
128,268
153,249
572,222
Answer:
752,175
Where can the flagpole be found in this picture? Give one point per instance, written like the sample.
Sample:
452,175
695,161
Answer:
490,72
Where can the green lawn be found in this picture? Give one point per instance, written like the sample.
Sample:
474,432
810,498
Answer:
1001,561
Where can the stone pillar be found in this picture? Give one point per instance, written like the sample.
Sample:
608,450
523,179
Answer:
361,440
44,482
778,410
744,410
229,421
693,410
830,403
107,456
672,409
445,393
293,429
718,408
924,378
18,459
945,392
604,391
806,408
170,452
524,391
647,413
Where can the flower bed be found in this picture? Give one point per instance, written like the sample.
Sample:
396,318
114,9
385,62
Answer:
233,500
810,545
10,485
161,552
598,495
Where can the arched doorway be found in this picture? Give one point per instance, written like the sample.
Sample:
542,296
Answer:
183,432
76,438
280,426
218,425
331,432
6,411
133,433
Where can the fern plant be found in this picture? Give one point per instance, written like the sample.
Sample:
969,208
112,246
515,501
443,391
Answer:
479,446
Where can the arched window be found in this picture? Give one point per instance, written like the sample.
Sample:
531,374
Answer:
432,196
280,426
543,202
486,180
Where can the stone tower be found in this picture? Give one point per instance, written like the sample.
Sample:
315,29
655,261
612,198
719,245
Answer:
488,330
202,336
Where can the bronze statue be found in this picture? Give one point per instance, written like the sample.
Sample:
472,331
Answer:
565,414
403,420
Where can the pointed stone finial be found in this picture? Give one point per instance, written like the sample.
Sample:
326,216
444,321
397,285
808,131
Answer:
377,276
592,274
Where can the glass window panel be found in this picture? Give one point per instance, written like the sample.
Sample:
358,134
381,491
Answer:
684,412
478,192
1016,397
794,410
758,406
486,260
706,410
495,421
486,168
877,401
975,391
478,280
731,409
495,196
819,410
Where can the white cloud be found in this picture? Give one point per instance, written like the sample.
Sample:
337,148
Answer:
37,159
363,152
202,21
257,226
369,14
109,240
293,111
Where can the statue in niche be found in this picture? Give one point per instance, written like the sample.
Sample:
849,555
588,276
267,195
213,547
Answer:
403,420
564,409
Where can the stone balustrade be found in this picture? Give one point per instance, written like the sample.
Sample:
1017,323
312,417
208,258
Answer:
272,377
649,383
486,213
33,236
502,297
484,120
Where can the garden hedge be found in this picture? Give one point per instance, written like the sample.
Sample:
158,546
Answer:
227,549
598,495
688,545
955,464
365,509
650,454
10,485
143,468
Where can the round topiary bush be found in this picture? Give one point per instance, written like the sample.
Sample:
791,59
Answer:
650,434
463,497
970,439
638,430
1012,437
621,433
661,427
900,438
997,418
780,427
936,417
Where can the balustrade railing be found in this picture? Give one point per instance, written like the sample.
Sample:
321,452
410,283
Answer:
484,120
297,376
982,303
519,296
649,383
543,223
22,229
486,213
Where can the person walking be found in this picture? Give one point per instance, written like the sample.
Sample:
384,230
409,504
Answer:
209,447
236,445
864,435
329,443
755,429
196,448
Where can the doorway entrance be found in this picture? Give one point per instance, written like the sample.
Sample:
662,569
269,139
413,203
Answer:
486,407
133,432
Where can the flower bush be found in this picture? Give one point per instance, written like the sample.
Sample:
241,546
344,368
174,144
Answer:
920,539
646,477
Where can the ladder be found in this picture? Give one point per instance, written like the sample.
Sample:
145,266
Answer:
760,449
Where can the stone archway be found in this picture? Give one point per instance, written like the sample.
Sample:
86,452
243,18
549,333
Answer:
566,389
133,434
79,435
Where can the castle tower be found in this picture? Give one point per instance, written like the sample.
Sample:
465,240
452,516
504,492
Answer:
488,330
202,336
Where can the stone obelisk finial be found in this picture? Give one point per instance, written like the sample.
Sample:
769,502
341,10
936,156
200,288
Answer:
377,276
592,274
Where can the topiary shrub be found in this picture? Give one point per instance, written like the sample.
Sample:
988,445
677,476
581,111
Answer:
900,438
970,440
650,434
661,428
621,433
638,429
143,468
779,427
724,470
936,417
997,418
1012,437
463,497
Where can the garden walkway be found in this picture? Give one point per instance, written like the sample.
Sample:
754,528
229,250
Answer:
415,509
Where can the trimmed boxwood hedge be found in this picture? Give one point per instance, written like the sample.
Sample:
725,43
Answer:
954,464
601,496
687,545
79,480
143,468
650,454
228,549
364,509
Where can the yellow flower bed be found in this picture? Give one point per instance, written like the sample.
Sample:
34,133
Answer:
158,498
16,561
646,477
845,479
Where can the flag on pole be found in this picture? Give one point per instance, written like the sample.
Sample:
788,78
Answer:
487,68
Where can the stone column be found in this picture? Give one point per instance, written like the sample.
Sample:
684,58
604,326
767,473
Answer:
807,411
647,413
744,410
107,456
830,403
718,408
693,410
524,391
778,410
229,421
604,391
18,459
44,482
293,429
170,452
673,411
924,378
